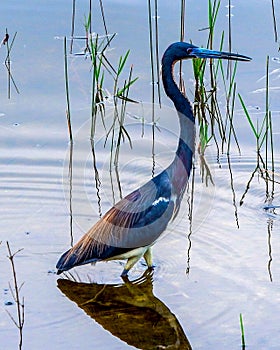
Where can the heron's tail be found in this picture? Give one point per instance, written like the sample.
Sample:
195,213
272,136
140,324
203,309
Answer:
82,254
74,257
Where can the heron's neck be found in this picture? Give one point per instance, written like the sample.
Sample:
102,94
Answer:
185,149
181,103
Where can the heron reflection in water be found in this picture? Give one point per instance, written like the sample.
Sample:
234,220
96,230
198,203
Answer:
131,227
129,311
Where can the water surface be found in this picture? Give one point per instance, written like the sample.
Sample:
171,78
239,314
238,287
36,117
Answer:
209,268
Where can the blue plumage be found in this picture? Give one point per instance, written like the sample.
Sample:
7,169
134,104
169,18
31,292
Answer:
134,224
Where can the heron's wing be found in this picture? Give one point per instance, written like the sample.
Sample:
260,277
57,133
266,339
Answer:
135,221
138,219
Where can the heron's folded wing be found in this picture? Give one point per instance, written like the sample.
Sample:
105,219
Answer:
135,221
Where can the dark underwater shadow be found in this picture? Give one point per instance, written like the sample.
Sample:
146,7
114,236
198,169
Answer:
130,311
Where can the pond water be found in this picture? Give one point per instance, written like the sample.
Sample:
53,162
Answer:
210,267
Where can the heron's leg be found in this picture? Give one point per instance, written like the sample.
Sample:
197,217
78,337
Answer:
129,264
148,257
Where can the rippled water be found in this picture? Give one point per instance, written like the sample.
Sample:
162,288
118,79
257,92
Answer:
210,267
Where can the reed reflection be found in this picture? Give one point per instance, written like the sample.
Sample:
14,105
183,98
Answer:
130,311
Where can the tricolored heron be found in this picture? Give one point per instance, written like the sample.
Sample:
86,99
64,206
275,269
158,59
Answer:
130,228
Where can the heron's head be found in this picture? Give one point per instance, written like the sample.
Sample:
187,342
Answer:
181,50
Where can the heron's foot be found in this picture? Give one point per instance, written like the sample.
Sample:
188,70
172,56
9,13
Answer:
152,266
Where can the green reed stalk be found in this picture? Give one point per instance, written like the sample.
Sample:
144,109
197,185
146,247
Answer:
122,130
95,77
101,68
230,91
158,66
155,68
90,15
154,51
272,152
119,116
229,37
213,125
269,132
68,114
274,21
266,120
151,50
97,59
182,21
182,36
73,25
116,95
152,79
248,117
231,128
254,130
215,115
206,107
242,332
213,10
264,139
103,18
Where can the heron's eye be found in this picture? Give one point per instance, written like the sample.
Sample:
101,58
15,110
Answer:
189,51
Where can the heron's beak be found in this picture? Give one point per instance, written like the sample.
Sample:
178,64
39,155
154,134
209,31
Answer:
205,53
